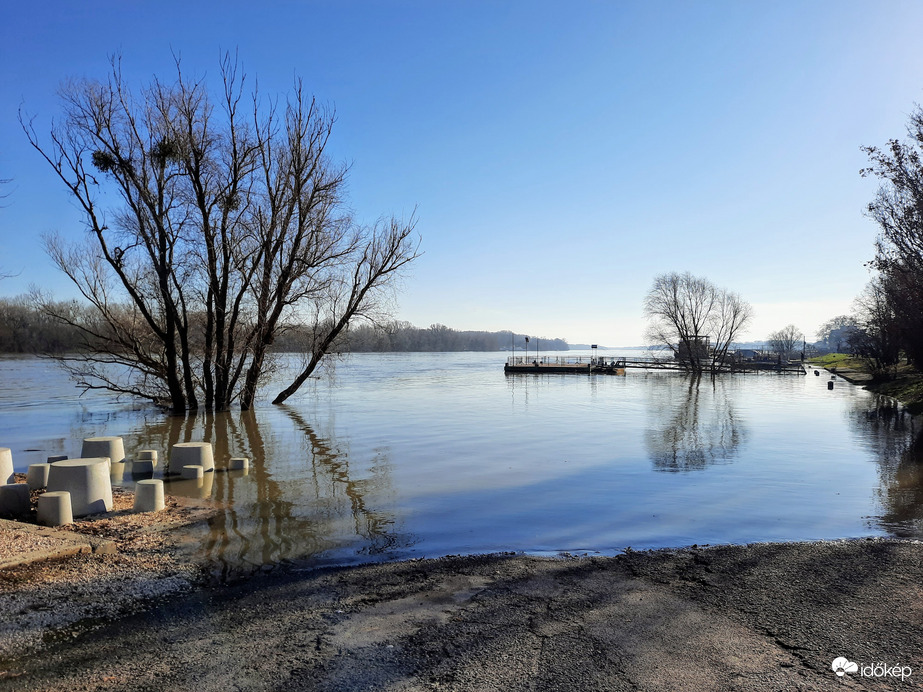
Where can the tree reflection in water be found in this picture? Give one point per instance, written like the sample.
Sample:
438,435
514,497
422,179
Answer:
299,500
897,442
695,424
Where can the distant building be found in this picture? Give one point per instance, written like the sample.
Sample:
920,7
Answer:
694,348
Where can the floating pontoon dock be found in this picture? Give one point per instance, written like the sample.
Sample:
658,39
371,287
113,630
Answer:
588,365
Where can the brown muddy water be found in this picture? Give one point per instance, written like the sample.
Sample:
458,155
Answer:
394,456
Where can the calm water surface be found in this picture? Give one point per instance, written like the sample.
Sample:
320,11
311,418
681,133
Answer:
403,455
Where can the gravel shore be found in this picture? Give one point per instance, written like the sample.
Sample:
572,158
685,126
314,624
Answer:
129,560
756,617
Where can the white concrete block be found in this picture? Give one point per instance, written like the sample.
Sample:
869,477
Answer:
239,463
88,482
14,499
54,508
193,471
37,476
149,495
6,466
142,467
150,454
194,454
111,447
117,470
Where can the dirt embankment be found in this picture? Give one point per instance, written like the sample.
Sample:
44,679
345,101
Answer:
758,617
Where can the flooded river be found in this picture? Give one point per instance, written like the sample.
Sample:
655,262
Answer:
393,456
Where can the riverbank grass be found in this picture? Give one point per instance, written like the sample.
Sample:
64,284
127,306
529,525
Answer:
905,385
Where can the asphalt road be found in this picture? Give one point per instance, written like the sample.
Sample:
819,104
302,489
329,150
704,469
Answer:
760,617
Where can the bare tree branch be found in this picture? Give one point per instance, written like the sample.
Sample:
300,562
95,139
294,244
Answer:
695,319
224,225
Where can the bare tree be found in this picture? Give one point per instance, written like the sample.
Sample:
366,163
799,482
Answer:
786,341
697,320
898,210
3,195
876,336
388,250
837,332
229,223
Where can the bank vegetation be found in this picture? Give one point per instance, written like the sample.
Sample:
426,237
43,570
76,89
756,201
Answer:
884,332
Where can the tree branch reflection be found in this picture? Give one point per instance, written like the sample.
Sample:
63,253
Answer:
896,441
298,500
695,424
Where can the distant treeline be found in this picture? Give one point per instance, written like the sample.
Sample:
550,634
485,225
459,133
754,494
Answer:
403,336
25,329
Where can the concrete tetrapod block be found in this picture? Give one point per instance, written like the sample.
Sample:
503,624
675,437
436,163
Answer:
37,476
239,463
150,454
88,482
54,508
57,457
149,495
6,466
14,499
111,447
142,467
193,471
194,454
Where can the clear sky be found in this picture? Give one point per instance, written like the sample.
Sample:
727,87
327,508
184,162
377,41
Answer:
559,154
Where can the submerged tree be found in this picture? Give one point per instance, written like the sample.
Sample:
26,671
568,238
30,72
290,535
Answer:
697,320
228,225
786,341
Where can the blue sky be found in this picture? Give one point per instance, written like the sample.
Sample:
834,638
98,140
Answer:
559,155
